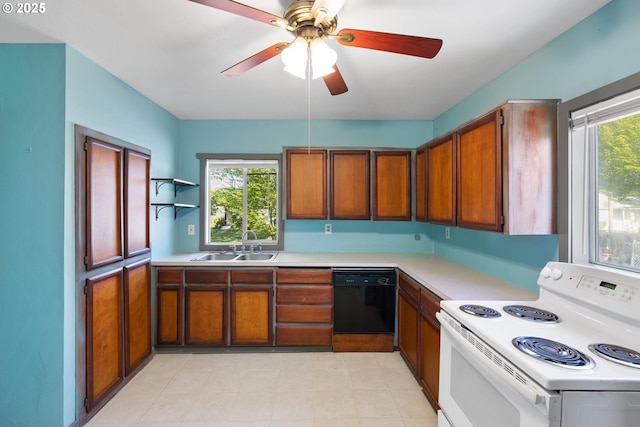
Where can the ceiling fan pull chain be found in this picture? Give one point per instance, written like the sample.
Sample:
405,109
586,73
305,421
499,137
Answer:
308,99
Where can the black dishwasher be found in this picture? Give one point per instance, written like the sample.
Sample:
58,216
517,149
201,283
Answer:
364,301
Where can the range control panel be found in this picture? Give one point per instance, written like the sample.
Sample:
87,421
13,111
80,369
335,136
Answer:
621,292
616,292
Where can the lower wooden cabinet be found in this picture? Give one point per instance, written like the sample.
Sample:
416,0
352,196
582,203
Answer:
118,328
205,302
408,321
105,344
419,334
169,306
251,307
429,355
304,307
137,314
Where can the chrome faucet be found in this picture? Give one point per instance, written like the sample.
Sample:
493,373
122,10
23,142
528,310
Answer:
255,237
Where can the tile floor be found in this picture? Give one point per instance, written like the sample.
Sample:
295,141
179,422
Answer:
271,390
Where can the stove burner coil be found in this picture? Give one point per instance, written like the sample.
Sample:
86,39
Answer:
553,352
479,310
617,354
531,313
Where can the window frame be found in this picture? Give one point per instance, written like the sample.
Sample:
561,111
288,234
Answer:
204,158
576,246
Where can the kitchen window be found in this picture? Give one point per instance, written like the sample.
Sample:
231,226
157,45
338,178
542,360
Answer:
604,182
240,200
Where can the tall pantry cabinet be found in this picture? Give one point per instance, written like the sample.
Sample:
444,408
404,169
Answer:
112,265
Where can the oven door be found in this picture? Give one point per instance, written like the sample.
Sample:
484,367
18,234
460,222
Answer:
479,388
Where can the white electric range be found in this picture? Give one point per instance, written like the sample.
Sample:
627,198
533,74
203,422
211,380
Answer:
569,359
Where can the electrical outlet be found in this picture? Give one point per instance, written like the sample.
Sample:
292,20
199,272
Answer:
327,229
191,229
447,233
416,237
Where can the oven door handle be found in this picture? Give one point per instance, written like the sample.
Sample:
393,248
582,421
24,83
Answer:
499,366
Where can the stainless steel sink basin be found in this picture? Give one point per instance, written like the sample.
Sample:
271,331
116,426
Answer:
228,256
215,256
264,256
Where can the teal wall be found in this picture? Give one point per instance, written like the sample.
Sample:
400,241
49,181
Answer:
44,91
32,88
599,50
257,136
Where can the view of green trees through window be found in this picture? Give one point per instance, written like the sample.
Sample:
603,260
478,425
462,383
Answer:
618,191
243,197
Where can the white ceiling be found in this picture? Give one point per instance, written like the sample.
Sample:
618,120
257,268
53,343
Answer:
173,51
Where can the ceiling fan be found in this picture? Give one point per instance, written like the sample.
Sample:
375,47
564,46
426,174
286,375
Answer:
311,22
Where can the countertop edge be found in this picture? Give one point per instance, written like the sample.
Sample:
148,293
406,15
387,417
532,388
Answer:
446,278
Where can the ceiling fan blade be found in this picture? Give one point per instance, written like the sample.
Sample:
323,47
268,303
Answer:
255,60
329,7
335,83
244,10
397,43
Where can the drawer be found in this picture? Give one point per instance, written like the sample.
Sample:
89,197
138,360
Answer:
263,277
303,335
407,284
217,277
304,275
170,276
304,313
305,294
429,302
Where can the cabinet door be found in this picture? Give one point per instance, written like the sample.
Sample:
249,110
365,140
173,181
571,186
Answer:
104,336
429,356
136,203
205,315
350,185
421,184
103,203
429,345
306,184
408,329
137,312
169,307
441,199
479,166
251,315
392,185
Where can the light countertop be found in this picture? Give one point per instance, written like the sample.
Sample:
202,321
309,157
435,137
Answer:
445,278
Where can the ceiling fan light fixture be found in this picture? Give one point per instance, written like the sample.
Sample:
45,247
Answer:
295,58
323,58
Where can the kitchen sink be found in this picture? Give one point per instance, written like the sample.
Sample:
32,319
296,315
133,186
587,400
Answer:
215,256
263,256
224,256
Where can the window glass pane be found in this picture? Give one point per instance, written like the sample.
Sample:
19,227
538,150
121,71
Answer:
225,189
262,213
242,200
618,192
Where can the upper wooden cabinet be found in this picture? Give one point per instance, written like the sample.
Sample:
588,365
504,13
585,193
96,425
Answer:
392,185
306,184
104,162
421,183
441,187
350,184
479,165
506,162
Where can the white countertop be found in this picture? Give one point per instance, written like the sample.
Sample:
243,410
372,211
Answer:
445,278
